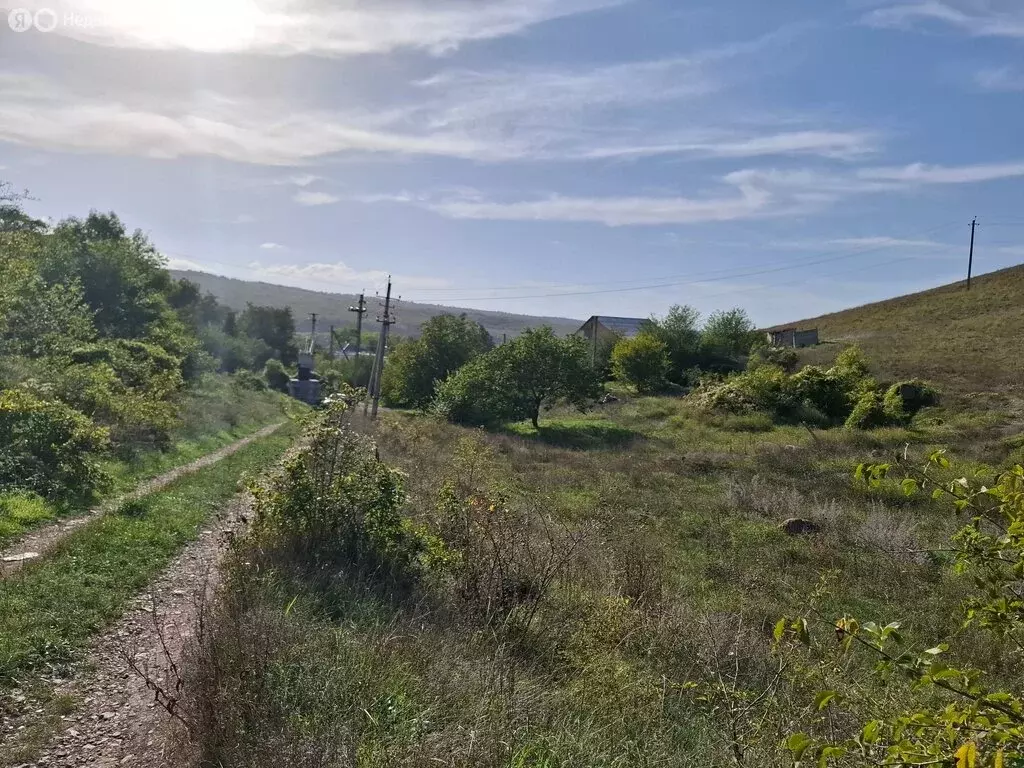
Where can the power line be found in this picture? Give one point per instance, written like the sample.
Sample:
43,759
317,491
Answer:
805,263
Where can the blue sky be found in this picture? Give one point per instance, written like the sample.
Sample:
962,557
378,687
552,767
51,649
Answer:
568,157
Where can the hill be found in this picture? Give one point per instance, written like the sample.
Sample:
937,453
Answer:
332,308
965,341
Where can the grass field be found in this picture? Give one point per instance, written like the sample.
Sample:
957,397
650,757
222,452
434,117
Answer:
640,568
967,342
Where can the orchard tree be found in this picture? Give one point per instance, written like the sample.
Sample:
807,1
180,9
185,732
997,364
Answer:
517,379
641,362
416,366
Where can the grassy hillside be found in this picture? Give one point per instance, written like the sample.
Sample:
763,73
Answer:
332,308
964,341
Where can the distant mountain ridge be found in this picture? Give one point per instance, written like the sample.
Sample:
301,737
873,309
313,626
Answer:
332,308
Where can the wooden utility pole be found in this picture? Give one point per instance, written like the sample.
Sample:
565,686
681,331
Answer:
382,342
970,258
360,311
312,332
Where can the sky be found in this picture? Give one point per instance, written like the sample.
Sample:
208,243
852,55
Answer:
557,157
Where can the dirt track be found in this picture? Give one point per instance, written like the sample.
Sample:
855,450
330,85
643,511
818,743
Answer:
36,543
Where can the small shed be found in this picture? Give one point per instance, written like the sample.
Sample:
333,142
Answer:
792,337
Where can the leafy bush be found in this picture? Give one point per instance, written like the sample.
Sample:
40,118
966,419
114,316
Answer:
843,394
781,357
641,362
249,380
336,500
868,413
49,448
905,398
968,717
276,375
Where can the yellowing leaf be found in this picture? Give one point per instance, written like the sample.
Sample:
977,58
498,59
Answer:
967,756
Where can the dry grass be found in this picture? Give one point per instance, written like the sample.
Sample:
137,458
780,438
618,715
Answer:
964,341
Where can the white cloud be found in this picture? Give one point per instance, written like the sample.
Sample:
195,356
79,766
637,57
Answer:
271,246
920,173
315,198
304,179
760,193
1013,250
830,144
980,18
340,276
615,211
888,242
37,112
330,28
175,262
999,79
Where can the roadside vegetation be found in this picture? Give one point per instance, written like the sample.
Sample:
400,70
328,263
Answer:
110,370
608,590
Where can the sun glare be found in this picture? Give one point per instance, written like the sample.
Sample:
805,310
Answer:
202,25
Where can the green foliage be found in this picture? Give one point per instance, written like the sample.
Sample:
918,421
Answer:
843,394
904,399
250,381
728,333
335,499
642,362
869,413
275,327
21,511
48,448
781,357
416,366
514,381
679,330
968,718
276,375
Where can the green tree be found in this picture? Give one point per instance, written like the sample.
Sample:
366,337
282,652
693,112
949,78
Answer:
728,333
679,331
517,379
641,362
275,326
416,366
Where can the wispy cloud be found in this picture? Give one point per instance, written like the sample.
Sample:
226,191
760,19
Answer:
303,179
306,197
980,18
492,117
999,79
919,173
339,275
313,27
271,246
757,193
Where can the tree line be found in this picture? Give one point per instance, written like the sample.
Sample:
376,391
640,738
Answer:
99,344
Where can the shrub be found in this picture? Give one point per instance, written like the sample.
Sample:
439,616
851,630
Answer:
824,391
781,357
276,375
904,399
336,501
641,362
868,413
249,380
49,448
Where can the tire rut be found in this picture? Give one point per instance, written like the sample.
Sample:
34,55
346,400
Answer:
35,544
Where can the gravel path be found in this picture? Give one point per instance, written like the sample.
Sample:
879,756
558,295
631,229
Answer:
119,723
39,541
